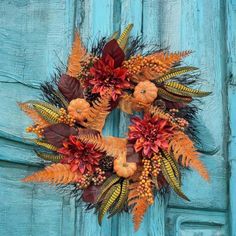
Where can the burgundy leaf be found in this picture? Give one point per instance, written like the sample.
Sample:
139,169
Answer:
70,87
56,134
91,193
132,156
113,49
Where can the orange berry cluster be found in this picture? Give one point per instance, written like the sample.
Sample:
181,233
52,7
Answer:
86,63
145,184
156,164
180,121
137,63
66,118
35,129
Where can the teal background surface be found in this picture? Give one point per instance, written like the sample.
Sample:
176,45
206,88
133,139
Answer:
36,37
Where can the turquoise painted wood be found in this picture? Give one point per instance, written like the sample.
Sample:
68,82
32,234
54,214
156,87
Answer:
36,36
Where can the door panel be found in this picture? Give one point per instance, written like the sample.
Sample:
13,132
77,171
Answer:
36,37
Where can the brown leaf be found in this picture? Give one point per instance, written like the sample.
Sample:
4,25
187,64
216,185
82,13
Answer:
91,193
113,49
70,87
56,134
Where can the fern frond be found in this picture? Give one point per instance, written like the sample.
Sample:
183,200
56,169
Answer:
182,90
77,53
169,175
111,196
107,185
49,156
97,114
138,212
156,111
44,144
122,199
174,72
54,174
113,146
123,39
33,114
173,97
183,147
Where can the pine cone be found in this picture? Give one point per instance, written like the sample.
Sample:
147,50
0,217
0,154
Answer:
106,163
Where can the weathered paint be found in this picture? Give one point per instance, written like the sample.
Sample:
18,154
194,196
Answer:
36,36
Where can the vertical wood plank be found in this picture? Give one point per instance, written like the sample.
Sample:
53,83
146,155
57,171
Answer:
95,20
141,13
231,79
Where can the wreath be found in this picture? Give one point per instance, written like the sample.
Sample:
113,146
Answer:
116,174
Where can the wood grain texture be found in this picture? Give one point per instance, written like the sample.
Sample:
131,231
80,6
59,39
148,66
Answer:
36,35
231,79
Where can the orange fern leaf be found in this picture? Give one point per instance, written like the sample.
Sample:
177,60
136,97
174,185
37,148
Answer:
138,211
183,147
139,204
113,146
78,51
34,115
54,174
97,114
129,104
149,67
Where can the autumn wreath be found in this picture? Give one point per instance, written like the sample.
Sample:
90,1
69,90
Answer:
114,174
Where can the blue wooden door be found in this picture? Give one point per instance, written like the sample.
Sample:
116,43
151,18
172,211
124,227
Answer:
36,37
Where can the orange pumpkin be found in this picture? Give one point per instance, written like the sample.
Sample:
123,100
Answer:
123,168
78,109
145,92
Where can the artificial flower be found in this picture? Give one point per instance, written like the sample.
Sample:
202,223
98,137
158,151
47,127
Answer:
150,134
80,156
106,78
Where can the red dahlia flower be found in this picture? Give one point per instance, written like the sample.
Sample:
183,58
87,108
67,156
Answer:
150,134
107,78
80,156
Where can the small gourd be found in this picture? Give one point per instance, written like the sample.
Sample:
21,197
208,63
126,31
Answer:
145,92
123,168
78,109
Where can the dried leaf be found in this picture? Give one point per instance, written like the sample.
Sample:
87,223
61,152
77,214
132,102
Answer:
78,51
70,87
33,114
113,146
54,174
96,116
113,49
91,193
183,148
56,134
